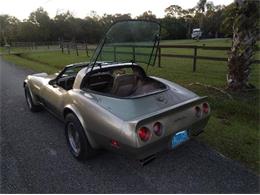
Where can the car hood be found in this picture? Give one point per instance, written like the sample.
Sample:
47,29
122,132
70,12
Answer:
44,75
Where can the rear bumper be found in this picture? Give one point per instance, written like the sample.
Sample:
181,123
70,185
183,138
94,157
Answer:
162,144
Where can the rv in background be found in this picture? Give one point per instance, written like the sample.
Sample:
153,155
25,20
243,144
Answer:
196,33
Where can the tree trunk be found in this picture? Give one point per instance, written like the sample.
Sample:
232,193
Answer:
240,57
201,21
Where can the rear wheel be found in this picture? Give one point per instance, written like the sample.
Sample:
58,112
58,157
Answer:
77,141
32,106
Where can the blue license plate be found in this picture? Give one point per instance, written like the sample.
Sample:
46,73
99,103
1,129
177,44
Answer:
179,138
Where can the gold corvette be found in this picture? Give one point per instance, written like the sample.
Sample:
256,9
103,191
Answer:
112,103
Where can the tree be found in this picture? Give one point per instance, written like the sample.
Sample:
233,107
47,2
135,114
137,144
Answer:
8,28
108,19
210,6
228,14
41,19
27,32
175,11
213,21
245,28
177,24
189,17
175,28
201,7
148,15
62,26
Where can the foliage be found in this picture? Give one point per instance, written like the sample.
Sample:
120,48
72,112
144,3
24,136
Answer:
245,30
148,15
176,11
8,28
175,28
177,24
229,16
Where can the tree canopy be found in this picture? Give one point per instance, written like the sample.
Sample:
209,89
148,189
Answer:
177,24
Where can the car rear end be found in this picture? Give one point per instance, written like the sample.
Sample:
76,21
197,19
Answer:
169,128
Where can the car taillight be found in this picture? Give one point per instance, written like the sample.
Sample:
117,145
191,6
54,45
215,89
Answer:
197,111
144,133
114,143
205,107
157,128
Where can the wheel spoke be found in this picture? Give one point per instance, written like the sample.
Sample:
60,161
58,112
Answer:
74,139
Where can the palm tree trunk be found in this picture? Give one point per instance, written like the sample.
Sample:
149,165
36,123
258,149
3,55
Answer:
240,57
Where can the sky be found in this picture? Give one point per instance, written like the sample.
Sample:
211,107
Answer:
82,8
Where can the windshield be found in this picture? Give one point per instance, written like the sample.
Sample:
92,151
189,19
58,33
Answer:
129,41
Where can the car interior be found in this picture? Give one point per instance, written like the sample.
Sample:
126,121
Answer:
119,82
66,82
67,77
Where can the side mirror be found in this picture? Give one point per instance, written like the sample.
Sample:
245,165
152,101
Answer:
53,83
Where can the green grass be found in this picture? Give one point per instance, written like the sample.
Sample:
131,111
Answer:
49,61
207,42
233,128
36,66
4,50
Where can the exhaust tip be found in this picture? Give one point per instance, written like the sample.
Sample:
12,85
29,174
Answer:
147,160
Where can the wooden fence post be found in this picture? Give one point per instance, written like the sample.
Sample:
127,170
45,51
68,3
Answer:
159,57
87,48
114,48
194,59
68,48
8,49
133,48
76,47
62,46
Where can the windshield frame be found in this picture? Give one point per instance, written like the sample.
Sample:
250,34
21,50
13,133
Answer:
100,46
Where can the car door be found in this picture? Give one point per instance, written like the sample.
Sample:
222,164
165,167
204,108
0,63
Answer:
53,98
53,94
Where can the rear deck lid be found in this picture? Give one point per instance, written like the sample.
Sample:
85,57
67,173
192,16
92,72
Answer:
129,109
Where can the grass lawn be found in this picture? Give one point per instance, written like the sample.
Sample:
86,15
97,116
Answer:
234,125
207,42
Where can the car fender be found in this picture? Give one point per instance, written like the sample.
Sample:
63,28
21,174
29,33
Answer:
75,111
34,99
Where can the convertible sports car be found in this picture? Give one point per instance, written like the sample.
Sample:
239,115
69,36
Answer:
111,102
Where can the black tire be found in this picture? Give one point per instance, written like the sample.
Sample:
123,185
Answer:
33,107
81,149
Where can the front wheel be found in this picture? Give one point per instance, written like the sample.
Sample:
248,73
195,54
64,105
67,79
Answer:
77,141
32,106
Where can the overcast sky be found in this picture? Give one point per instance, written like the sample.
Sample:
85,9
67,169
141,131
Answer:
81,8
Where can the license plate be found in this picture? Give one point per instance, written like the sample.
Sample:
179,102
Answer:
179,138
